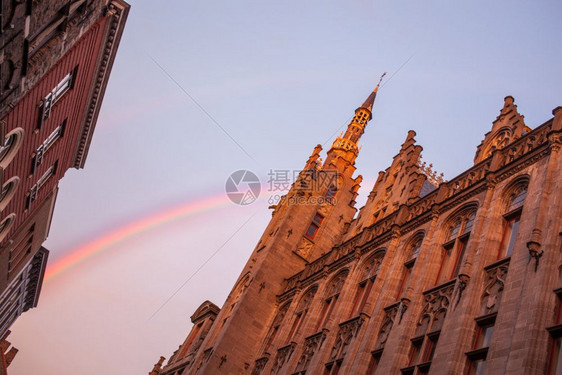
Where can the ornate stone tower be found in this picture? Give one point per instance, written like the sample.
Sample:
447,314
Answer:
306,223
432,277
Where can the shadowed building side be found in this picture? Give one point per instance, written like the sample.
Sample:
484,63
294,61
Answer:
55,61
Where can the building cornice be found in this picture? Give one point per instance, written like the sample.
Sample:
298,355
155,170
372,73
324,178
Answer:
117,12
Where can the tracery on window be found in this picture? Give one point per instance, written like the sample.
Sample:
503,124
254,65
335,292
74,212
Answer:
369,271
274,329
515,199
331,296
302,311
499,141
454,248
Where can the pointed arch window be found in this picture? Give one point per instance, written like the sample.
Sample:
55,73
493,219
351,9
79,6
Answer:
413,251
454,248
369,272
274,329
331,296
302,311
512,216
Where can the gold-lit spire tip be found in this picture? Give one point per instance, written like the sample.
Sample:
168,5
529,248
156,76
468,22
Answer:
380,80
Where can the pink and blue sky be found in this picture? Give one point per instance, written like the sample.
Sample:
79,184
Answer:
280,77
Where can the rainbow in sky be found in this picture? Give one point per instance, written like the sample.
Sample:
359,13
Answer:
150,222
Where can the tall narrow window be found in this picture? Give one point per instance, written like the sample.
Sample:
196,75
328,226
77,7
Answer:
32,196
54,96
369,272
375,359
477,356
331,297
413,251
274,329
314,226
46,145
454,249
302,311
512,218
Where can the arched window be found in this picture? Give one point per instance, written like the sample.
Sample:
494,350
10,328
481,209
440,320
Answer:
412,252
279,317
10,147
514,200
369,271
454,249
331,296
302,311
235,295
5,225
8,191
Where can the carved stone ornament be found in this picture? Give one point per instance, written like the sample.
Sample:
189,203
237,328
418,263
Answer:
494,288
404,303
462,282
304,248
534,248
386,326
435,308
283,356
348,330
260,365
311,345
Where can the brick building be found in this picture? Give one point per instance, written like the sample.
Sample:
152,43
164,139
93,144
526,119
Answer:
430,276
55,61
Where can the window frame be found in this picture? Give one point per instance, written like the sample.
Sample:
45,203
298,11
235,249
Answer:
57,93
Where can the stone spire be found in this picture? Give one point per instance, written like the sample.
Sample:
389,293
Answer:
368,104
346,144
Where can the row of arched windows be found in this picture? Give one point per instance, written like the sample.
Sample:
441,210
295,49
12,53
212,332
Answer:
454,240
8,150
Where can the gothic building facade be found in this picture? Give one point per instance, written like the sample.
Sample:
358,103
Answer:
55,61
429,276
